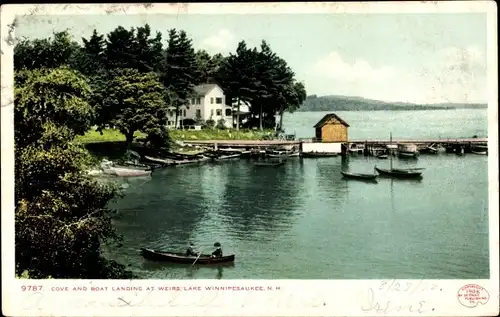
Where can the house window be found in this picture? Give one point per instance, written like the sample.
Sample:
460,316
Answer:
198,101
170,113
211,112
218,100
184,113
198,113
192,101
211,100
219,112
228,112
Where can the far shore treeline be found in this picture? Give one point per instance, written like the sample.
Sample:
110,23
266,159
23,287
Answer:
348,103
123,80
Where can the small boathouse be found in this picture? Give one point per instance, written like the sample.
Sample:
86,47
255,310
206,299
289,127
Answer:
331,128
330,135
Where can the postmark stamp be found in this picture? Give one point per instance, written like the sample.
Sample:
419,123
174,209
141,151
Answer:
471,295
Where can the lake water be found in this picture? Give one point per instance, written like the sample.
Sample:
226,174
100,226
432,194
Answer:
303,221
366,125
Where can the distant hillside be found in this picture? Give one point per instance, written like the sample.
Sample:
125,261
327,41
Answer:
348,103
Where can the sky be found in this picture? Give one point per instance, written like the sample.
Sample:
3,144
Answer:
418,58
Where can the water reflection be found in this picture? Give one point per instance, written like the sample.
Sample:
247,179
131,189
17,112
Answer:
260,200
164,213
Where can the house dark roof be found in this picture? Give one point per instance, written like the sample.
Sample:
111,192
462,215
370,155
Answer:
328,117
202,90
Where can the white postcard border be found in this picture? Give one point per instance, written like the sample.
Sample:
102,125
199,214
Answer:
277,297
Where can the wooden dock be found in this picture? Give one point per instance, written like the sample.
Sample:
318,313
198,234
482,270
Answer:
266,143
242,143
369,147
416,141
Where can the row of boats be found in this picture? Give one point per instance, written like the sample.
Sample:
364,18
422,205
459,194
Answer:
408,173
137,165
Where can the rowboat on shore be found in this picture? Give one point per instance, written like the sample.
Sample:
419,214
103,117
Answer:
176,257
126,172
359,176
382,156
163,161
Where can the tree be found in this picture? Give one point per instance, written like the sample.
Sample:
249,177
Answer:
134,101
293,96
148,51
44,96
61,216
208,67
238,76
120,49
179,69
266,86
91,58
44,53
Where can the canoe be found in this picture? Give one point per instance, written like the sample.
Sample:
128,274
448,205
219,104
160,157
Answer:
318,154
359,176
399,173
126,172
160,160
177,257
382,156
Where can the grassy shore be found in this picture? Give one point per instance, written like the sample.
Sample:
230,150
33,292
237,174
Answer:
108,135
111,143
112,135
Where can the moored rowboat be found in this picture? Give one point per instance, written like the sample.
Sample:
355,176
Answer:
177,257
359,176
318,154
399,173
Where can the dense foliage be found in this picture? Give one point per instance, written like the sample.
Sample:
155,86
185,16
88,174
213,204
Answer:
60,214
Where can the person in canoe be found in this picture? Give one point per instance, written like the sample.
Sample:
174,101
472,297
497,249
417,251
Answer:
218,251
190,250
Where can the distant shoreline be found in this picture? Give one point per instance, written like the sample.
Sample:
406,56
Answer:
389,109
352,103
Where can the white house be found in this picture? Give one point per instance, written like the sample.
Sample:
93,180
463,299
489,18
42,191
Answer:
208,103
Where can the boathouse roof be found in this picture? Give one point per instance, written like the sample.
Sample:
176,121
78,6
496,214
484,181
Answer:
327,117
204,89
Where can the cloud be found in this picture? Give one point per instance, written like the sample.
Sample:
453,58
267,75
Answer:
453,74
219,42
333,66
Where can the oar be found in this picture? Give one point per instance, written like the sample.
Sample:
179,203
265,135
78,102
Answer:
201,252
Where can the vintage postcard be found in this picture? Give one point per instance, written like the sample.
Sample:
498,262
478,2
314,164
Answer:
260,159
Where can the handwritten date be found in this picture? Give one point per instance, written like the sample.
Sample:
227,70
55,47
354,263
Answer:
397,286
31,288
